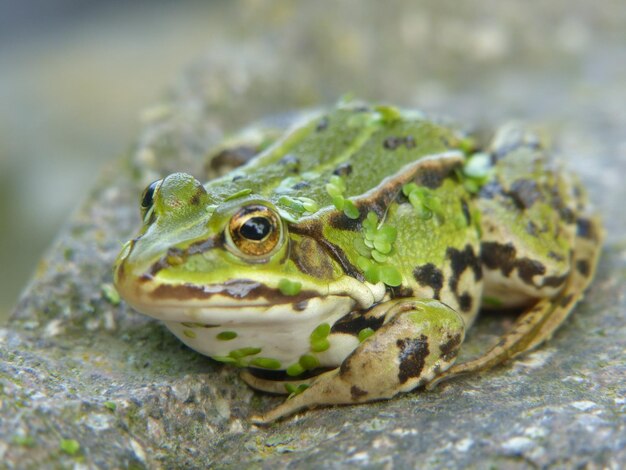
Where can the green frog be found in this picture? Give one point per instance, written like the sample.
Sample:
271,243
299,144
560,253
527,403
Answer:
343,261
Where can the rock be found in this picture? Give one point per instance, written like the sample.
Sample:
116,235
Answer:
85,381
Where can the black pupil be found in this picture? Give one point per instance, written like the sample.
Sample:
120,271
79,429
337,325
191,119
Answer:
255,228
148,195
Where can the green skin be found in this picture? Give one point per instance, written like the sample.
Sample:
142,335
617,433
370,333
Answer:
388,232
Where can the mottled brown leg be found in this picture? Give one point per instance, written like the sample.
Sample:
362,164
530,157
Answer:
538,324
420,339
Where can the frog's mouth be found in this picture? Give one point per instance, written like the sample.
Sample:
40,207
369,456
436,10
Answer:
215,303
255,296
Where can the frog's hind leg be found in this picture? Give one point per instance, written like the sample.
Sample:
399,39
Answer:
419,339
538,323
544,316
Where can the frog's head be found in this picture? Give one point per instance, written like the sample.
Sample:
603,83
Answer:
209,259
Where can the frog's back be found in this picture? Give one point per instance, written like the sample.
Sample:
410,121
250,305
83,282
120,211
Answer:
362,145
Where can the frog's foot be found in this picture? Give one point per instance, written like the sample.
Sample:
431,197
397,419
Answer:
538,323
420,339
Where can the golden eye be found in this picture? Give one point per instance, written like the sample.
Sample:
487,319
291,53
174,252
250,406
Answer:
255,230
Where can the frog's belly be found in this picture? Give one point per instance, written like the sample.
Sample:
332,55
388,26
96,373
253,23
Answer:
274,332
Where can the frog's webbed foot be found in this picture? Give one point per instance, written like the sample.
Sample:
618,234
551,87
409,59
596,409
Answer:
540,321
420,339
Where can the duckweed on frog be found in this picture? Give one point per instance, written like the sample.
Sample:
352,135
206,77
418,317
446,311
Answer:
344,262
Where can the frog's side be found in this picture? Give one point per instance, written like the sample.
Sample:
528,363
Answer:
345,262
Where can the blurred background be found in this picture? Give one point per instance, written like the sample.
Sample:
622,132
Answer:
75,76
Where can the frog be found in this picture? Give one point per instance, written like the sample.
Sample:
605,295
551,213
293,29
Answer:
342,259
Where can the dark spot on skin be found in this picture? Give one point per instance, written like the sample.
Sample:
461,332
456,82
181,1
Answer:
450,348
584,229
322,125
554,281
556,256
356,321
346,366
197,196
291,162
497,256
466,212
341,221
528,268
231,158
531,228
559,205
301,185
343,170
566,300
503,257
583,267
401,198
525,193
429,275
356,393
412,356
460,261
432,178
392,143
237,177
465,302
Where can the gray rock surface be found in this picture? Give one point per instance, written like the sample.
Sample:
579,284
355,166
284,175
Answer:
86,382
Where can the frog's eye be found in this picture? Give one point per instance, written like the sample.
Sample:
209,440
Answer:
255,230
147,198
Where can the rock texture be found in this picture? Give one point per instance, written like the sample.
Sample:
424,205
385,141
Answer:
86,382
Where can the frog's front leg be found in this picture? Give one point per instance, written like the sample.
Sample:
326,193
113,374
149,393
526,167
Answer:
418,340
